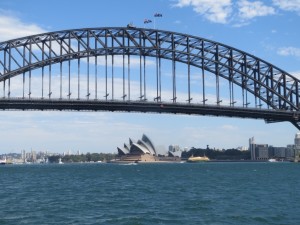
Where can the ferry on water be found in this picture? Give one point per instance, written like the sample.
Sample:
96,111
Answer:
198,159
3,161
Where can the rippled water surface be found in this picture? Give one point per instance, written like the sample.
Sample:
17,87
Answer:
205,193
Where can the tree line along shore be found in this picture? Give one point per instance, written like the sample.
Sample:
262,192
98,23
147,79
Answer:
229,154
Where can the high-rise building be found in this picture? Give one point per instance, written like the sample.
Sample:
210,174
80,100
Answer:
297,140
258,151
252,148
174,148
261,152
280,152
33,155
297,146
290,151
23,155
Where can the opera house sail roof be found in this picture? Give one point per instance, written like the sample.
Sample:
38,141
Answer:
141,147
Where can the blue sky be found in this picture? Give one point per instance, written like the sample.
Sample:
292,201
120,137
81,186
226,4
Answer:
267,29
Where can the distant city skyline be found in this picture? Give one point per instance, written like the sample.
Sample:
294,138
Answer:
159,148
266,30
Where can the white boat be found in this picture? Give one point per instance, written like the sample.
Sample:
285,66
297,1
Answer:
272,160
3,161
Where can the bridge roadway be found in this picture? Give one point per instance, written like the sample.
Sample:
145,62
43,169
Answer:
269,115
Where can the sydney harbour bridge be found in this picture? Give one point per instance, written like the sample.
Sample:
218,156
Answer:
129,69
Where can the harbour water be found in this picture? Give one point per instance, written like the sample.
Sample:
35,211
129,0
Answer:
179,193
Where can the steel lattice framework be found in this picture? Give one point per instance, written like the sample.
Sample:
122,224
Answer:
265,82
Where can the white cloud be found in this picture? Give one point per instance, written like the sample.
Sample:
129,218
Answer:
289,51
84,131
296,74
217,11
288,5
237,13
12,27
249,10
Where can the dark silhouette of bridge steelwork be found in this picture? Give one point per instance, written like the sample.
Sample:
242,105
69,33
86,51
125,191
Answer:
142,70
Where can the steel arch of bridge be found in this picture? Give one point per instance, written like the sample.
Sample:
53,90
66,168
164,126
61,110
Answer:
265,82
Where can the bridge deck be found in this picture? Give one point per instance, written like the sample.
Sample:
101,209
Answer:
269,115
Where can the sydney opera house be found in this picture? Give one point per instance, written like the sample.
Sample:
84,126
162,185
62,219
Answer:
142,151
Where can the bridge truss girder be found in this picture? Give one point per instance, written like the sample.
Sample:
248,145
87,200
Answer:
267,83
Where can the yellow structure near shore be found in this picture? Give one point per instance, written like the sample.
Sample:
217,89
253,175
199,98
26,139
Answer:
198,159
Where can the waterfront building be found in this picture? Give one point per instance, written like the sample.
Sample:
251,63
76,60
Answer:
23,156
174,148
69,152
261,152
33,156
279,152
297,146
142,150
28,155
297,140
290,152
252,148
258,151
265,152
